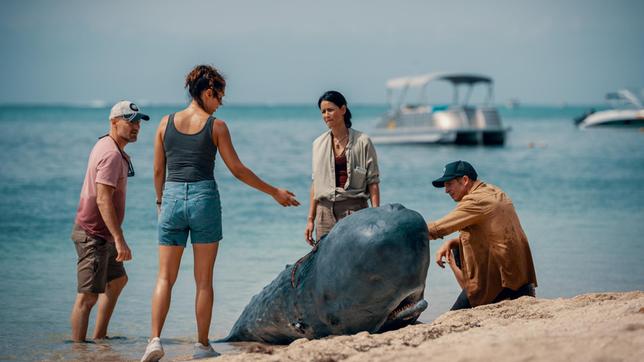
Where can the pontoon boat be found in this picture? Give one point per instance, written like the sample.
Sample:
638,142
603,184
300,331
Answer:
422,122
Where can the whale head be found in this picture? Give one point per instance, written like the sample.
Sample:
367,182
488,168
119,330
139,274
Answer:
371,269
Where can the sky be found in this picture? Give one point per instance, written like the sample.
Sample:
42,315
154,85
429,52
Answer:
290,52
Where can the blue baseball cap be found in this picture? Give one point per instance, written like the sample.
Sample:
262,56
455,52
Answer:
453,170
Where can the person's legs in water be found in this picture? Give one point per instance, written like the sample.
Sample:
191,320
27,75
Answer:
116,280
92,275
106,303
80,315
205,255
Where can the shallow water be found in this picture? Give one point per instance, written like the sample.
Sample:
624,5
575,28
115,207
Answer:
578,195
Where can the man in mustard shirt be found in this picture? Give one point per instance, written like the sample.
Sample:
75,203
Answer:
490,258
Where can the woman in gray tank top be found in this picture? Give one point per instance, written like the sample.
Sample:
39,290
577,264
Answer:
185,147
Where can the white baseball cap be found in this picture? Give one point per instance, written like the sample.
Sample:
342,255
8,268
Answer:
129,111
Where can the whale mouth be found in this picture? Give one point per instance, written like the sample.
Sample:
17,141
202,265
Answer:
409,309
406,313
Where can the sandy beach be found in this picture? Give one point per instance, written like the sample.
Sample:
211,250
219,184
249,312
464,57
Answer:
589,327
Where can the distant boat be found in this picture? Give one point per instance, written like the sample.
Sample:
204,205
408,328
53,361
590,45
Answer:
512,103
626,111
457,123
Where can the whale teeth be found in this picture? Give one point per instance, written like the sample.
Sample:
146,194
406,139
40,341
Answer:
398,310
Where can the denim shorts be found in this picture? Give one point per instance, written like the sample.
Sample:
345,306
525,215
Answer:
190,208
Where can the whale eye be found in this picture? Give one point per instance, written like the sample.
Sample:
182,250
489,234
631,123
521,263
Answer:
300,327
375,279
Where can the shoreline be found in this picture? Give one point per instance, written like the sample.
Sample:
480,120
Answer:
597,326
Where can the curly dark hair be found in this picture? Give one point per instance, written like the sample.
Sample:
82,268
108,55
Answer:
201,78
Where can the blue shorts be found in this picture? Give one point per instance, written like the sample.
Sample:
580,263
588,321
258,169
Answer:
190,208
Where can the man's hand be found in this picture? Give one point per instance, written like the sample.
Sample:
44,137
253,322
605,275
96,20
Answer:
445,251
123,251
105,203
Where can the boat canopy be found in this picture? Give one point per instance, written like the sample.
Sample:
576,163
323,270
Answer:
624,97
402,84
422,80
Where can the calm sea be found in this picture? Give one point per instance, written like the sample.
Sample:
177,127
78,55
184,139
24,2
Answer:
579,195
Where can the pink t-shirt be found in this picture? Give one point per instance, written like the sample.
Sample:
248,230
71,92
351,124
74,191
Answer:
106,166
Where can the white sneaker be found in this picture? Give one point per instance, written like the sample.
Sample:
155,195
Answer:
202,351
154,351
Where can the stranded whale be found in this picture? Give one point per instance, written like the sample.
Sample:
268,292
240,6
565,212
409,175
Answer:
367,274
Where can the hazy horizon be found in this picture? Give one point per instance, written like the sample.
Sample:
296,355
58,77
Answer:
101,104
289,52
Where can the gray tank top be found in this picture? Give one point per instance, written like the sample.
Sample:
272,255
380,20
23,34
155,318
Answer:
189,158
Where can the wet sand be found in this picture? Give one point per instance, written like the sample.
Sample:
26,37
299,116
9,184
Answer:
589,327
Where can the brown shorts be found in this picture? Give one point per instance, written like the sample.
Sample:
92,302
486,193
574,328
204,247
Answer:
96,265
328,213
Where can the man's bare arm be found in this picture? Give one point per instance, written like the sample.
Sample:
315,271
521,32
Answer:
105,202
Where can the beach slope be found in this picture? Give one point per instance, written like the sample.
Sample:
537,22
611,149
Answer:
590,327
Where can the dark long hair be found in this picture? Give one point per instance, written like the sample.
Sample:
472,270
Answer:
201,78
338,99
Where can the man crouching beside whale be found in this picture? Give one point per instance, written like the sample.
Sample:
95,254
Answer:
367,274
491,258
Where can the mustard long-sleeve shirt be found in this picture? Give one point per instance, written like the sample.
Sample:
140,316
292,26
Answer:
494,249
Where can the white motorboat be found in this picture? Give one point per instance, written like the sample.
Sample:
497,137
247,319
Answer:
625,110
422,122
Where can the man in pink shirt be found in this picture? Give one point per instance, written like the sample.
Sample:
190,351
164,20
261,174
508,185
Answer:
97,233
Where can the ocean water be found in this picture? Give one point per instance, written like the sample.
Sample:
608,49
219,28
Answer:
578,194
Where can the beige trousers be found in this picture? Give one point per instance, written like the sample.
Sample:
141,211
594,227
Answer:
328,213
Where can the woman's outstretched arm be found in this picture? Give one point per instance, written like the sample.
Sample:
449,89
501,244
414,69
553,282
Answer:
223,141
